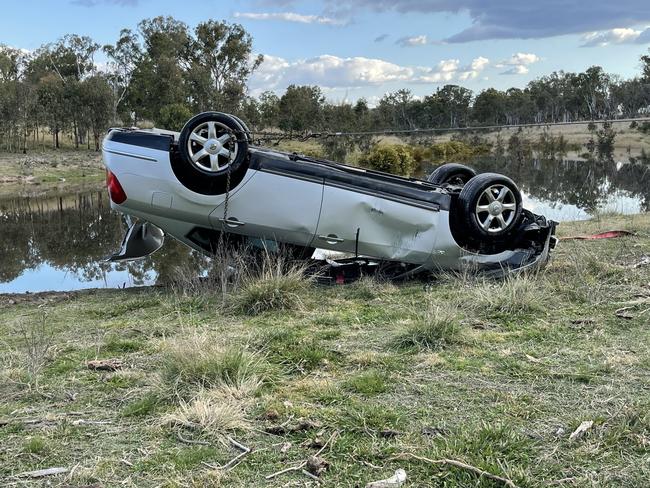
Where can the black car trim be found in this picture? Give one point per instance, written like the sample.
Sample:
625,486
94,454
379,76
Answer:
373,183
313,179
386,196
160,142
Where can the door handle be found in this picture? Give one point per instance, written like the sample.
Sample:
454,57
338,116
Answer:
331,239
232,222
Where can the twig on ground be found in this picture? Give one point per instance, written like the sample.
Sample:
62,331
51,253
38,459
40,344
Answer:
303,463
40,473
308,474
190,441
237,459
458,464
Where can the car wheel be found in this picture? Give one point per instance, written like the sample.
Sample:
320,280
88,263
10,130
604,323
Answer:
212,154
451,174
489,207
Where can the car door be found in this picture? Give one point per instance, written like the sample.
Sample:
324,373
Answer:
273,206
373,226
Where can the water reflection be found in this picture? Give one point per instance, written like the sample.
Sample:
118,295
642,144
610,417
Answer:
59,242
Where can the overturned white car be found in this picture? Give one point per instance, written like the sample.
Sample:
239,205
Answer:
209,179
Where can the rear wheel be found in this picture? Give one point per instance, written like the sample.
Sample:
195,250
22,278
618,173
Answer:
212,150
451,174
489,208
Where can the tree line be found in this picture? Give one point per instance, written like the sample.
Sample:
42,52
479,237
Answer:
165,71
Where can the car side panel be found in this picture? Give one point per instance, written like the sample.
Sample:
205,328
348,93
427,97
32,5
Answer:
272,206
387,229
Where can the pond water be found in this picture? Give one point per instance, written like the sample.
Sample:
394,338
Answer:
58,242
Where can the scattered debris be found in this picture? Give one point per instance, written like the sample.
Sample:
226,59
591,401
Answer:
104,364
532,359
582,428
389,433
301,426
602,235
285,447
270,414
394,481
315,463
645,261
457,464
40,473
434,431
560,432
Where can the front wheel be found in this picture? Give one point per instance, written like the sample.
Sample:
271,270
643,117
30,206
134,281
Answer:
489,207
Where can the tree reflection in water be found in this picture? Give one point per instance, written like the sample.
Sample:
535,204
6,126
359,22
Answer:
74,233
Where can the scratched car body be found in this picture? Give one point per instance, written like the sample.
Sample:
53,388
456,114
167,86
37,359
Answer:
210,179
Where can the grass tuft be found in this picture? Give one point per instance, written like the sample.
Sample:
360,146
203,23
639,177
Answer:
434,328
210,412
199,362
516,294
275,285
368,383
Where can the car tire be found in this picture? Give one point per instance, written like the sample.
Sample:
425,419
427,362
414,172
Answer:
215,169
489,208
451,174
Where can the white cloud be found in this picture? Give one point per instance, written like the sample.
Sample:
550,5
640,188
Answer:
289,17
613,36
412,41
518,63
335,72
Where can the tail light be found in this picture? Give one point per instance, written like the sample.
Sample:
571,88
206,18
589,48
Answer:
115,190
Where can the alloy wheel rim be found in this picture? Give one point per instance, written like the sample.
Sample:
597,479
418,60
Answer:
212,147
496,208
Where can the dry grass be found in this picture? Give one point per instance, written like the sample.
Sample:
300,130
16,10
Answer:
211,412
516,294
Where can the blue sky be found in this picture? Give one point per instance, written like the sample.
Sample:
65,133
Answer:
355,48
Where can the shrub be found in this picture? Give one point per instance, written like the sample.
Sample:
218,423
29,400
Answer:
451,150
174,116
394,158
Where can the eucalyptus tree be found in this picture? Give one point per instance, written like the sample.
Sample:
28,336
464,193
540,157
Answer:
220,64
123,57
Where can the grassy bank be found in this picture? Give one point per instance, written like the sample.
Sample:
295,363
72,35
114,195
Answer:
496,375
48,168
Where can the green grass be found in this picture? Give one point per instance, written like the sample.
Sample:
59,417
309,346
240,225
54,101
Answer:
496,374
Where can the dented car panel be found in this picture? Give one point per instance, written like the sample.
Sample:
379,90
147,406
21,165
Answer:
303,202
